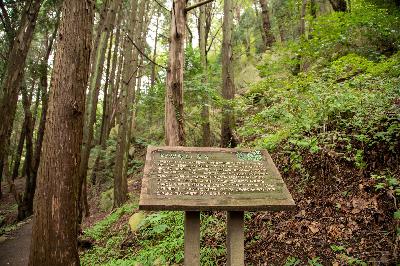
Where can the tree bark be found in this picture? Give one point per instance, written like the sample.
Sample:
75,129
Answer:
115,74
96,40
174,125
339,5
205,110
302,28
45,96
54,231
228,86
25,207
127,91
268,36
14,75
313,8
115,114
93,99
153,68
106,95
22,136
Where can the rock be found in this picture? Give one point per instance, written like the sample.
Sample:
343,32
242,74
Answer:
158,262
136,220
131,151
2,239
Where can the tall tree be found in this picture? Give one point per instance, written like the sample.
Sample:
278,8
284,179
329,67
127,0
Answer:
174,127
127,90
43,72
114,76
153,67
268,36
14,75
205,110
25,207
228,86
54,231
95,84
302,28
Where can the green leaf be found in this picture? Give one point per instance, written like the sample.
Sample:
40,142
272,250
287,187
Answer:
396,215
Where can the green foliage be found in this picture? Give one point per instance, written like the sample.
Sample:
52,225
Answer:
157,241
292,261
336,248
367,30
161,238
107,199
315,262
385,182
344,107
98,230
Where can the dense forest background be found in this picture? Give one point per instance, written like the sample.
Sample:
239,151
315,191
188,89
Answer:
315,82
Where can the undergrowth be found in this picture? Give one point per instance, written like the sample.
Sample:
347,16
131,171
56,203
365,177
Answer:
158,241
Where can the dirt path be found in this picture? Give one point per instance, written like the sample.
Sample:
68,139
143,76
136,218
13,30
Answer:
14,250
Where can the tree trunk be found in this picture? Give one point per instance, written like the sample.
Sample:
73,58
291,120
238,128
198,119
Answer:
228,87
339,5
115,74
14,75
93,99
302,28
140,36
268,36
45,97
205,111
96,40
313,8
106,102
127,90
153,67
174,126
106,95
115,114
54,231
25,207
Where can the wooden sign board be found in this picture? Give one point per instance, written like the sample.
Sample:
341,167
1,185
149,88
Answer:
199,179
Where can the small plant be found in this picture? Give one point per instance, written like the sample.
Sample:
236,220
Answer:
97,231
387,182
336,248
314,262
292,261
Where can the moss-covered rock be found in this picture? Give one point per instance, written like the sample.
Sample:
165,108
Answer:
136,220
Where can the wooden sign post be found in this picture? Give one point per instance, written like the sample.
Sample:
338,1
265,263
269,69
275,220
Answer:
212,179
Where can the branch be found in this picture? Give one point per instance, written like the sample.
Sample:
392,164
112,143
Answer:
3,56
143,54
162,6
213,38
197,5
5,18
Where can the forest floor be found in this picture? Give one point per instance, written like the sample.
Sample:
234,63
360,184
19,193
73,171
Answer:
14,250
340,220
15,238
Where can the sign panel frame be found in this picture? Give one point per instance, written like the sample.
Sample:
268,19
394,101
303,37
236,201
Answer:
276,200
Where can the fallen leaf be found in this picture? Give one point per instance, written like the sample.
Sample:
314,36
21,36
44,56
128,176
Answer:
314,227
